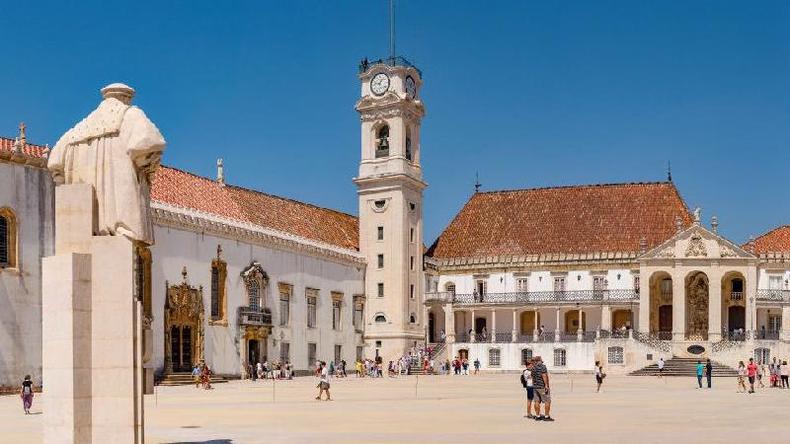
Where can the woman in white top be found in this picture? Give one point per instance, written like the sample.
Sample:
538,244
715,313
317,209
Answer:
741,376
599,375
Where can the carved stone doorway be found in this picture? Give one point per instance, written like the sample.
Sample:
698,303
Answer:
184,337
697,306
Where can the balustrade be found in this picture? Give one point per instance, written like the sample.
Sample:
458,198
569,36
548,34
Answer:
534,297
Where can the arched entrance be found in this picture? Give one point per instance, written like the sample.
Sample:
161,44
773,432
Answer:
183,326
697,290
620,319
733,302
661,305
431,328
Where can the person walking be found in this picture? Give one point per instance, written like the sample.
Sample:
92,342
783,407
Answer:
527,383
660,367
599,375
540,379
709,372
741,377
751,372
784,372
700,372
323,382
27,394
477,365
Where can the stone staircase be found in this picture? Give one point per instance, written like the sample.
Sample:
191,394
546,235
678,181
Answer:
684,367
438,354
176,379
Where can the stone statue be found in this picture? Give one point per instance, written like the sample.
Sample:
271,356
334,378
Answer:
116,149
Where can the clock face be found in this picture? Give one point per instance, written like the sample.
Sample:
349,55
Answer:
411,87
380,83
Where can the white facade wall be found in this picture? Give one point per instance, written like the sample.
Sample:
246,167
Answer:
224,350
541,280
28,192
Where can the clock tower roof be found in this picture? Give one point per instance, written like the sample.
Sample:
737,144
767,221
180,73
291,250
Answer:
366,66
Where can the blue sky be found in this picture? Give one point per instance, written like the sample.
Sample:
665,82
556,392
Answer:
527,93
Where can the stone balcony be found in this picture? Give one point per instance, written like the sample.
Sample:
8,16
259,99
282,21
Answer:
535,297
254,317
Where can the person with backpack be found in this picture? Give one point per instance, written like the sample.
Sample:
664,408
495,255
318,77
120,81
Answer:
27,394
529,387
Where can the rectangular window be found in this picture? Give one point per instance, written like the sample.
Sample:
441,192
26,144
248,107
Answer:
411,263
380,233
218,303
411,291
312,302
493,357
214,292
599,283
411,235
450,288
381,261
775,282
559,357
338,354
666,287
285,307
636,283
559,283
285,351
380,289
312,351
336,315
360,352
522,284
615,355
359,307
481,287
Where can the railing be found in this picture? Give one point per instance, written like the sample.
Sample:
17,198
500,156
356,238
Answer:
255,316
535,297
766,334
503,337
390,61
653,341
548,337
773,295
736,295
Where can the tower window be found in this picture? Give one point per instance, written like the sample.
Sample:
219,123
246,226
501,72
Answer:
411,291
408,147
411,235
8,232
380,318
381,289
381,261
382,142
411,262
379,204
380,233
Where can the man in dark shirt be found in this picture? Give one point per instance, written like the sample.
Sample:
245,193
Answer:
709,372
540,379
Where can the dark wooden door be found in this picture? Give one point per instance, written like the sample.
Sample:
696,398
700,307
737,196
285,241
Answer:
253,352
736,317
181,348
665,318
480,324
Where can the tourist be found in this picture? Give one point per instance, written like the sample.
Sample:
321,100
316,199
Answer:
741,377
784,372
205,377
599,375
751,372
447,366
196,375
773,367
343,368
431,366
526,382
709,372
259,370
700,372
27,394
358,367
660,367
442,335
465,366
323,383
477,365
540,381
760,372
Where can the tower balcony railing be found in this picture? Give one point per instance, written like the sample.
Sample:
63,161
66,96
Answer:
255,316
389,61
770,295
534,297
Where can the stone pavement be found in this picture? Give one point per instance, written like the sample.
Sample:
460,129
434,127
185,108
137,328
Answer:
448,409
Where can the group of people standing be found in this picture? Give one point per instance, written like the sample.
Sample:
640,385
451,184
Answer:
201,373
270,370
535,380
777,372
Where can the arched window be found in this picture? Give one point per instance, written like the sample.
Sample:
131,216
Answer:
412,318
494,356
526,355
7,238
382,141
219,271
380,318
408,145
559,357
615,355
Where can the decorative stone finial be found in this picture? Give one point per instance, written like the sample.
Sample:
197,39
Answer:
17,145
184,273
714,224
219,251
22,136
122,92
678,224
220,171
697,215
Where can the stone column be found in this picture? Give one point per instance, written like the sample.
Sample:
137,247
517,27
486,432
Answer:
644,302
449,324
557,330
714,307
514,335
580,330
678,308
784,333
536,327
472,337
606,318
493,325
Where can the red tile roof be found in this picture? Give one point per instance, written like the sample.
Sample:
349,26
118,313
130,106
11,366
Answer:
7,144
774,241
570,219
179,188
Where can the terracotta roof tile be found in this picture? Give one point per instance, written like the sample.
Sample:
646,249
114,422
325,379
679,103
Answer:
179,188
571,219
774,241
29,149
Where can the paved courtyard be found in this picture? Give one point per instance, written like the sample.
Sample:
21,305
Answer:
448,409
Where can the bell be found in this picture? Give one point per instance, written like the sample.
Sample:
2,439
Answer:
384,144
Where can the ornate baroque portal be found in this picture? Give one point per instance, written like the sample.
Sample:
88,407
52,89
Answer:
697,306
183,326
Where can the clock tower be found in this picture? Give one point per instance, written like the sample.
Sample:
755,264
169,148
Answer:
390,187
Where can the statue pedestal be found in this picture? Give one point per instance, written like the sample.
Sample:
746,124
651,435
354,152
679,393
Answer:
91,320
